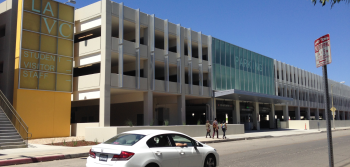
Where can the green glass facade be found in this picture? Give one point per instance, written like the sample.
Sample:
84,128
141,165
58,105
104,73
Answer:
238,68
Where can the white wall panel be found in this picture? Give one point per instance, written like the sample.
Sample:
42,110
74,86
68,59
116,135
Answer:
90,24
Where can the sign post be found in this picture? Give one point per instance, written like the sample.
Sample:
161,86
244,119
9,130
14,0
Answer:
323,57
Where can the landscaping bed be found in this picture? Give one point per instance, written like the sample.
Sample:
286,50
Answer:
75,143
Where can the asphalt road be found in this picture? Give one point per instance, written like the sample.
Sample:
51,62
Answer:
294,151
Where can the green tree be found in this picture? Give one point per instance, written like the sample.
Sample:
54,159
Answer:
323,2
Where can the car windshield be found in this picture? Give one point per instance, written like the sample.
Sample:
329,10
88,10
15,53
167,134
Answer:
125,139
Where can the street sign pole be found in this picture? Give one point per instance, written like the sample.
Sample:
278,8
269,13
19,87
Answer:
323,57
328,117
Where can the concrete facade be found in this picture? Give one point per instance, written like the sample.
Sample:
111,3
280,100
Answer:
8,20
307,91
134,68
171,66
147,56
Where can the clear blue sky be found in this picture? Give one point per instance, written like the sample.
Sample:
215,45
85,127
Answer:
283,30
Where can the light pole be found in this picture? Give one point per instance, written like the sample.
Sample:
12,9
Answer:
70,1
333,109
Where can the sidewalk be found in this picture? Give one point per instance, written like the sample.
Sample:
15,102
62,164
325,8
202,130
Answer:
249,135
39,153
266,133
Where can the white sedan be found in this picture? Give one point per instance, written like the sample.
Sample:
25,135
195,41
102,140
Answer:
152,148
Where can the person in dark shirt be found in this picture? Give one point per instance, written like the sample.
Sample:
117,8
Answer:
215,129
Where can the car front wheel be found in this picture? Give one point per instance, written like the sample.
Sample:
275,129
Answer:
210,161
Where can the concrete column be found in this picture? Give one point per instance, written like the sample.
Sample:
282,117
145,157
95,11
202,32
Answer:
151,56
147,107
121,45
200,63
106,52
209,114
180,59
317,114
166,54
137,48
297,113
181,73
237,113
189,56
210,79
272,117
285,112
181,109
213,107
308,111
255,116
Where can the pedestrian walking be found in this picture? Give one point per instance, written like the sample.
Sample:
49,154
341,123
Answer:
207,126
215,128
224,128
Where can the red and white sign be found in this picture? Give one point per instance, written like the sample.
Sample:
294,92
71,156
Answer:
323,51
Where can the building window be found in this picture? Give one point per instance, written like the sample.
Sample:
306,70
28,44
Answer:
2,31
282,75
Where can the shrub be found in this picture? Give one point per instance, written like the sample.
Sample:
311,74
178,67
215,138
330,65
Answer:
96,141
128,122
166,122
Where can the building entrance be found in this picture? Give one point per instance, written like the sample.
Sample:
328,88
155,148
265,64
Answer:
196,114
247,115
224,112
264,111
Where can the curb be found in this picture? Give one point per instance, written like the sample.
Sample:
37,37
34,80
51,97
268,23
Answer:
325,131
41,159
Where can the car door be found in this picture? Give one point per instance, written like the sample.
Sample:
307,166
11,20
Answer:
189,155
164,152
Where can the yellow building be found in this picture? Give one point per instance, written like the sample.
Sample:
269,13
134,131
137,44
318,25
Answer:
42,73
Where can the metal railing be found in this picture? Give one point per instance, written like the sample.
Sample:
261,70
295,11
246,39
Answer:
14,117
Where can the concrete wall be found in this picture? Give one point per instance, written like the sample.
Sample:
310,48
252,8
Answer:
298,124
3,6
284,125
78,129
87,47
312,124
8,21
323,124
104,133
88,12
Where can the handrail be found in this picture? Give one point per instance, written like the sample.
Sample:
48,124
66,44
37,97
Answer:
14,112
14,117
